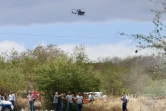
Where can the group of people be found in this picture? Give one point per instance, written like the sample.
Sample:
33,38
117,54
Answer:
69,99
12,99
66,101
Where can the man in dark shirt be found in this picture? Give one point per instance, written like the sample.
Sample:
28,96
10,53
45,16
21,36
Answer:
63,100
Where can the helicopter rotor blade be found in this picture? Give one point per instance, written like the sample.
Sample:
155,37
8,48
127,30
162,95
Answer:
75,9
78,9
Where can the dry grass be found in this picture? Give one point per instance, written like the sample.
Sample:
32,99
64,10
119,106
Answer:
98,105
133,105
113,104
147,105
24,104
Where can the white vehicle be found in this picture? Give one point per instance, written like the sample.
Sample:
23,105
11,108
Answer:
5,105
96,95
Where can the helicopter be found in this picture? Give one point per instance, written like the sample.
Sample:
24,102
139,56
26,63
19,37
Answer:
78,12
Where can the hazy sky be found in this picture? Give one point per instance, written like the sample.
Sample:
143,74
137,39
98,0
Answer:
28,12
26,23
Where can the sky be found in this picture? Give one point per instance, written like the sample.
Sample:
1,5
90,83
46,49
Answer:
25,24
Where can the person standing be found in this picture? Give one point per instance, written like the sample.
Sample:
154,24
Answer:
124,99
56,101
3,95
12,97
69,99
79,101
90,97
63,102
104,98
31,102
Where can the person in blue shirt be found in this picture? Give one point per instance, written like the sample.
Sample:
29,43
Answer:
56,101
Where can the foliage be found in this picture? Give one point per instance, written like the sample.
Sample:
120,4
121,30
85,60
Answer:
156,38
11,72
157,87
66,74
48,69
113,72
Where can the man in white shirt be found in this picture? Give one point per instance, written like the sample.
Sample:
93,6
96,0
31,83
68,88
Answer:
69,99
79,101
12,97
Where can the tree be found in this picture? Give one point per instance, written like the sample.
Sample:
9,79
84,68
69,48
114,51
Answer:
11,72
156,39
65,74
112,73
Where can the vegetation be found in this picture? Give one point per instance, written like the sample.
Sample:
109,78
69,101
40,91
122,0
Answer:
156,39
49,69
66,74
